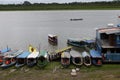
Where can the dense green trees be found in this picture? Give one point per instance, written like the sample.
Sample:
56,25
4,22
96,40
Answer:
26,5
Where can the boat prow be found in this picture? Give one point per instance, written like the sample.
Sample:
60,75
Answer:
76,58
86,58
65,59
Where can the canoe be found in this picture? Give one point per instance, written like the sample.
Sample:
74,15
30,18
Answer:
96,57
65,59
32,59
21,59
42,59
10,58
80,42
52,38
77,19
2,53
76,58
86,58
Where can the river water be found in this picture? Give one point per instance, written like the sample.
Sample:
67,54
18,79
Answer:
18,29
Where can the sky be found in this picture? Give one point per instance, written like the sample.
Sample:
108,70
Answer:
45,1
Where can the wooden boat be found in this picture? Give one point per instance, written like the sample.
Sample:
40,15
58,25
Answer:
32,58
80,42
76,58
42,59
52,38
10,58
65,59
96,57
76,19
2,53
86,58
21,59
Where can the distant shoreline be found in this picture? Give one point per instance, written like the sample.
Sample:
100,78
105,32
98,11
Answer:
113,5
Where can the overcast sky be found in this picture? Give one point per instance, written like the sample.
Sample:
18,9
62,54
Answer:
46,1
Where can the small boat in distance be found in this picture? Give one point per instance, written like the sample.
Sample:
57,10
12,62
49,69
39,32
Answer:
65,59
86,59
76,19
76,58
52,38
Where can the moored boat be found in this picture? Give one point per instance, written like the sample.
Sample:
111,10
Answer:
65,59
96,57
10,58
2,53
76,19
86,58
80,42
42,59
52,38
76,58
21,59
32,58
108,44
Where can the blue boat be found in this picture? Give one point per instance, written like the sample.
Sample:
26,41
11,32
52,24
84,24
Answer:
80,42
108,43
10,58
96,57
2,53
22,59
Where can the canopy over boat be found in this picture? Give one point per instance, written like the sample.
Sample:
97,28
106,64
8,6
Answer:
51,35
95,54
23,55
87,40
43,53
65,55
13,53
33,55
84,54
75,54
5,50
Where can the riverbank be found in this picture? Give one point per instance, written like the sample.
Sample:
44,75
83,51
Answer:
63,6
54,71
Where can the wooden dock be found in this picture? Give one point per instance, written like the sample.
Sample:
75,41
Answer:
64,49
57,53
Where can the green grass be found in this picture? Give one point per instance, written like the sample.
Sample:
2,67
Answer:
103,72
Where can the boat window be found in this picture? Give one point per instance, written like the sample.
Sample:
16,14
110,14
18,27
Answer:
104,36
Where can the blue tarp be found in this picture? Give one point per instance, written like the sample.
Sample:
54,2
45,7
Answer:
5,50
90,41
23,55
95,54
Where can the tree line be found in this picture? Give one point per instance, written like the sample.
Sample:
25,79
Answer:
26,5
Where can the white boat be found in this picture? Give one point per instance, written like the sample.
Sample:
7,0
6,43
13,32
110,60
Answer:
65,59
86,58
76,58
52,38
32,58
